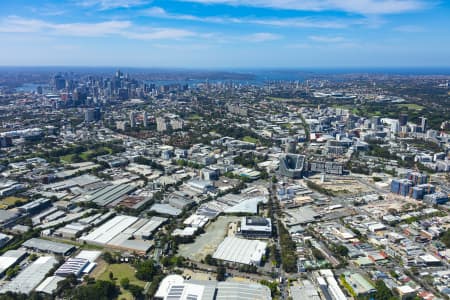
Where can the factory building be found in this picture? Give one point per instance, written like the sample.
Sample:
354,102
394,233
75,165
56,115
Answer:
255,227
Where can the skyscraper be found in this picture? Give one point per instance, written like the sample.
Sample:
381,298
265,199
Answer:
97,114
132,121
423,123
59,82
403,119
89,115
145,119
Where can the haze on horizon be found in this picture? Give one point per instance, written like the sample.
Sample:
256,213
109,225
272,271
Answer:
226,33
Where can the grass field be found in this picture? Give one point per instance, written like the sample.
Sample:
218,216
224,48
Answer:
84,155
121,271
285,99
249,139
67,158
195,117
411,106
11,201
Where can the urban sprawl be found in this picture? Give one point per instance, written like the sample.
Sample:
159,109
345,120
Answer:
117,185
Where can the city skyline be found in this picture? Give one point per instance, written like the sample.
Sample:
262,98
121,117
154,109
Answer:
225,33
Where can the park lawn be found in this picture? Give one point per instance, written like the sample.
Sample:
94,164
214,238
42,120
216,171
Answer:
279,99
411,106
195,117
11,201
85,155
67,158
122,271
249,139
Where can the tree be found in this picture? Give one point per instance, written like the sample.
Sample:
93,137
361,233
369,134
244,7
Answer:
107,256
136,291
210,260
125,282
145,270
383,292
111,275
100,290
221,271
341,250
446,238
12,272
317,254
32,257
272,285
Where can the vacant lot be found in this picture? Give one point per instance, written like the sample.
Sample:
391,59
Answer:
11,201
207,243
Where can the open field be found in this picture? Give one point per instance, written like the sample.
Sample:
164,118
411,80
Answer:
207,243
249,139
11,201
86,155
341,186
411,106
194,117
120,271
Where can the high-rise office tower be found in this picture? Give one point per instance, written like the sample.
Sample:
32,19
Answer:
403,119
423,123
132,121
145,119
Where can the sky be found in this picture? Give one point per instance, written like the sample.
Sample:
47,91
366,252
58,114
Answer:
226,34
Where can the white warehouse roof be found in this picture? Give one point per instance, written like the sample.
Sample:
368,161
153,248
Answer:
241,251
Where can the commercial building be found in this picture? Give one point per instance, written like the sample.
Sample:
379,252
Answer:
436,198
4,239
200,186
108,194
306,291
292,165
35,206
49,285
73,266
255,227
326,167
46,246
28,279
240,251
174,287
401,186
124,233
359,284
165,209
329,286
9,259
146,231
419,191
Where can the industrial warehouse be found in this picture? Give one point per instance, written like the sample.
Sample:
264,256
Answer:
241,251
125,233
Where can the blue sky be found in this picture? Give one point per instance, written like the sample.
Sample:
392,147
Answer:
226,33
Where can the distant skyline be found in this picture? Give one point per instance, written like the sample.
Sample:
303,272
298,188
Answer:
226,34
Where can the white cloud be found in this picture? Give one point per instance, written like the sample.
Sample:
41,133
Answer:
306,22
353,6
160,33
410,28
14,24
111,4
326,39
262,37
